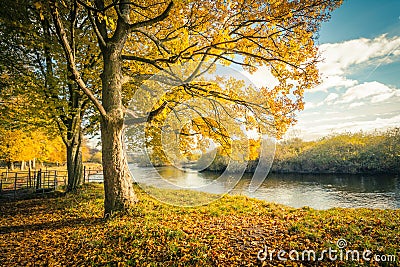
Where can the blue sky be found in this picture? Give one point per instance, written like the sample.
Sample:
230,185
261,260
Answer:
360,46
360,71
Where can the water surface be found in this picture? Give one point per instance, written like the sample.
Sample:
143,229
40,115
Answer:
321,191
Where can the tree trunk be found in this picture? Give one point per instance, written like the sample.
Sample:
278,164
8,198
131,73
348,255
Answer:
119,193
74,163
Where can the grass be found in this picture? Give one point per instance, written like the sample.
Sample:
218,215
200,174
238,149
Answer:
70,231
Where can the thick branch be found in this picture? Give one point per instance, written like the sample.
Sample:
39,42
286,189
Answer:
114,4
71,60
147,118
149,22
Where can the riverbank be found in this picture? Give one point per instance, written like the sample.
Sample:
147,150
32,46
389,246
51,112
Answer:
70,230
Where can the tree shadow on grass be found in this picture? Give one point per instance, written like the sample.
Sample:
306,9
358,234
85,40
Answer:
53,225
9,196
33,207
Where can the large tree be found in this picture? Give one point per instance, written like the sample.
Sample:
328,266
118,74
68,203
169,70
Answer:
139,38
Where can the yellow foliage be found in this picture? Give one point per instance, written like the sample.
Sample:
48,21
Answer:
17,145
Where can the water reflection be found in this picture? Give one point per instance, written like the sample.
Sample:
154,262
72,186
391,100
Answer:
328,191
296,190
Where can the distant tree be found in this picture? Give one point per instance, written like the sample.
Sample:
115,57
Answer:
376,152
20,146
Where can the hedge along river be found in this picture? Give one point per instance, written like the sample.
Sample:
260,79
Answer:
318,191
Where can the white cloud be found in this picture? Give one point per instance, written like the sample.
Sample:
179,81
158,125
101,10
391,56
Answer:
338,57
334,81
323,129
309,105
382,97
340,118
331,97
375,91
377,123
356,104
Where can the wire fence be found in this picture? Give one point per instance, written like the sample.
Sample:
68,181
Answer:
17,183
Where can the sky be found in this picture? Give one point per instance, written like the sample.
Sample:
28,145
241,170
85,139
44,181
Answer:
360,71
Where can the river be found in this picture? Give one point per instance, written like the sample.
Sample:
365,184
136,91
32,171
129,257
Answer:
321,191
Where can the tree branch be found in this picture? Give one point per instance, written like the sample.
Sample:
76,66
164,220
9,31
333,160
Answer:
155,40
96,30
89,7
71,60
149,22
146,118
141,59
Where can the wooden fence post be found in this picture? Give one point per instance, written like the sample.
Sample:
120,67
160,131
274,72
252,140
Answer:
15,184
38,179
29,177
55,180
84,174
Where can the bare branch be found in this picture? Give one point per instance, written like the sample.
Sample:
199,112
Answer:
96,29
